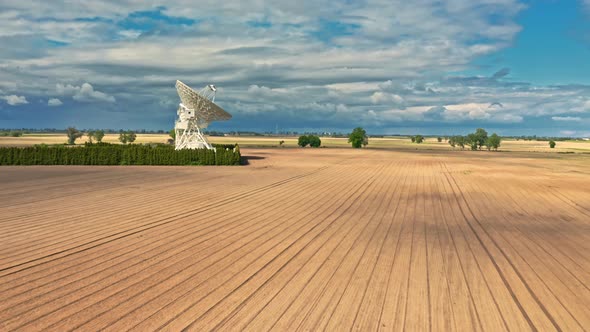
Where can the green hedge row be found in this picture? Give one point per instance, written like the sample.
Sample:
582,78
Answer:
114,154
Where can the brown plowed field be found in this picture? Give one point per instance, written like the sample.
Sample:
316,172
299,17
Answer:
300,239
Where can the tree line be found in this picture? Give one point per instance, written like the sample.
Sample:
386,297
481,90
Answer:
11,133
477,140
357,138
73,134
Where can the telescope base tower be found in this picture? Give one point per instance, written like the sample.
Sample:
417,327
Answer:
188,133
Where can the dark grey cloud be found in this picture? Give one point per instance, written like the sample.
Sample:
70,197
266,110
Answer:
435,113
501,73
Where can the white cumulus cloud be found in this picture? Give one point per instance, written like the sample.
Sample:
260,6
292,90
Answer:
566,118
54,102
85,93
65,90
15,100
386,98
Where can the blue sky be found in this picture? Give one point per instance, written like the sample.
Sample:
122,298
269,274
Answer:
390,66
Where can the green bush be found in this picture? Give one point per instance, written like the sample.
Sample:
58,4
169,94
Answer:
115,154
303,141
312,140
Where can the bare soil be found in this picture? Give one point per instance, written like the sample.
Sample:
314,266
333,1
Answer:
300,239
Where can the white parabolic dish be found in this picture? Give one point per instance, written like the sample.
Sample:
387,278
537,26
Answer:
195,112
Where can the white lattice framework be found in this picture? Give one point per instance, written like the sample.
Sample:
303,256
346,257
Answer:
195,111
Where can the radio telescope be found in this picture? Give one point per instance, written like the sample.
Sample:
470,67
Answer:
195,111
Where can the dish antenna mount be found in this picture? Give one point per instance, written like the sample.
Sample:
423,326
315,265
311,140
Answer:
195,111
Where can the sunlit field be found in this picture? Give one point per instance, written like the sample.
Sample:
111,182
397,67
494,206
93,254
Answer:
397,142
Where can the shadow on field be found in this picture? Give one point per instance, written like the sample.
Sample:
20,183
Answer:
246,159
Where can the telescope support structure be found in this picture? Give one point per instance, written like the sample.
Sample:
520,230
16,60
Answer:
188,131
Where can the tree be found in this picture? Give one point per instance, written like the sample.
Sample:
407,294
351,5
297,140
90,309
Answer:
90,135
281,142
98,135
131,136
127,136
314,141
480,137
493,142
473,141
552,144
16,133
303,141
358,138
452,142
413,138
419,139
460,141
73,135
123,137
439,139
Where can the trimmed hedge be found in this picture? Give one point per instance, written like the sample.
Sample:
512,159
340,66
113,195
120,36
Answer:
114,154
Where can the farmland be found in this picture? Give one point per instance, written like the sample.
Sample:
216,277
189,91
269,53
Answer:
394,142
301,239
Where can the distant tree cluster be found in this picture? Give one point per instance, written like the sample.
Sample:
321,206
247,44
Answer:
311,140
493,142
358,138
127,136
552,144
543,138
96,135
73,134
418,139
457,141
477,140
11,133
